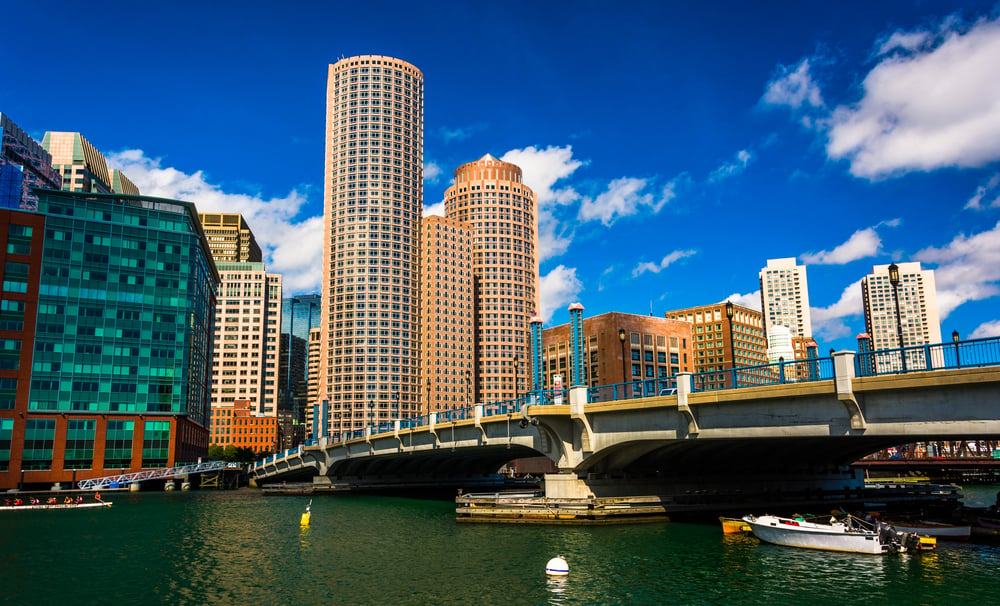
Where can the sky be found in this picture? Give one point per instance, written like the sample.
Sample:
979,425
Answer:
675,147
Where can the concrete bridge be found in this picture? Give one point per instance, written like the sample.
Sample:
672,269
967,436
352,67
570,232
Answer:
792,435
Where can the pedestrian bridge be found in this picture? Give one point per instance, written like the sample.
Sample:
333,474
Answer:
804,418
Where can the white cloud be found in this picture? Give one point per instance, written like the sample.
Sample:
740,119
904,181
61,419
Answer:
862,244
541,169
987,190
432,172
905,41
967,269
829,322
986,329
624,197
793,87
751,299
291,245
731,169
935,103
558,288
434,209
656,268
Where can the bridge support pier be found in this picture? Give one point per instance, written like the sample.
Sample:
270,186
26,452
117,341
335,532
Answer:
843,369
566,486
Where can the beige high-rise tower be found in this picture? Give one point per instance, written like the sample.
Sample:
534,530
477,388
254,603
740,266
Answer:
489,195
373,199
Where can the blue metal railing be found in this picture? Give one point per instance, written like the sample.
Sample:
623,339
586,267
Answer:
971,353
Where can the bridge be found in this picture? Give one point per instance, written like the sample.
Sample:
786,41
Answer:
786,427
164,473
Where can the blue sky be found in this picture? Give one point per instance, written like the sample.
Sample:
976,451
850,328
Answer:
675,147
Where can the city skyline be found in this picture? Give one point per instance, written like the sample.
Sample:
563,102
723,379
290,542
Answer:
653,154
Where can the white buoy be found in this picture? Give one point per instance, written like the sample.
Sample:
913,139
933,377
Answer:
557,567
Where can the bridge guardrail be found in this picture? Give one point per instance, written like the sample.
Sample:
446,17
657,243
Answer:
971,353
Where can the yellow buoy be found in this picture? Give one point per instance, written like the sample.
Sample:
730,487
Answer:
304,520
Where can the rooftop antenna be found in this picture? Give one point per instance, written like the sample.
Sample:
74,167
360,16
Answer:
650,308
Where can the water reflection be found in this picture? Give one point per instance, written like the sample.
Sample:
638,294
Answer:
557,588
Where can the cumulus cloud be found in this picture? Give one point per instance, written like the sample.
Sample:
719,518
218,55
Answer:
292,245
988,191
967,269
731,169
986,329
933,102
541,169
432,172
656,268
434,209
794,87
750,299
830,322
862,244
624,197
558,288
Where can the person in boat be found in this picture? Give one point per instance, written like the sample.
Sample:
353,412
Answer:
50,501
68,501
97,497
79,500
18,502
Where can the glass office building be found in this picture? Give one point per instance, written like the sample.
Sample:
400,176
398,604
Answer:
114,296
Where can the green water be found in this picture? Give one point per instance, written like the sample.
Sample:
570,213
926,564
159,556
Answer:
241,548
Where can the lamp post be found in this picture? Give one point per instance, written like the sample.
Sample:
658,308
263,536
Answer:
894,281
621,339
515,362
427,406
732,343
954,339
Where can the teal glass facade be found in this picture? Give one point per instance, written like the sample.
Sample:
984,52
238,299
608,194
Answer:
125,306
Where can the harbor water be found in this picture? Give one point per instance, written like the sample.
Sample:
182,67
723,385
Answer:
238,547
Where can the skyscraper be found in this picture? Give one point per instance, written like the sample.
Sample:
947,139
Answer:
917,309
447,319
299,316
24,164
230,237
84,169
107,337
373,200
489,195
784,297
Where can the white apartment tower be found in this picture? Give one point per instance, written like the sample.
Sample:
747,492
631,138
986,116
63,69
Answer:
918,308
247,329
373,201
784,296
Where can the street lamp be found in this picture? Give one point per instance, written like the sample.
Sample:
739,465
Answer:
732,343
468,383
515,362
621,338
954,339
428,404
894,281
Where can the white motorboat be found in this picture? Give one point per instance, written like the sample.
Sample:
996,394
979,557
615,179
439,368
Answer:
846,534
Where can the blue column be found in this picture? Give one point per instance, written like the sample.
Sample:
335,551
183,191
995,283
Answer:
576,342
536,353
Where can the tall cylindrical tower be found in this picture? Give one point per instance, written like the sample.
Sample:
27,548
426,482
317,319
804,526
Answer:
373,199
489,195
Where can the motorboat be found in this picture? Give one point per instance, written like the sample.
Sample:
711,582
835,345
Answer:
848,534
734,526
